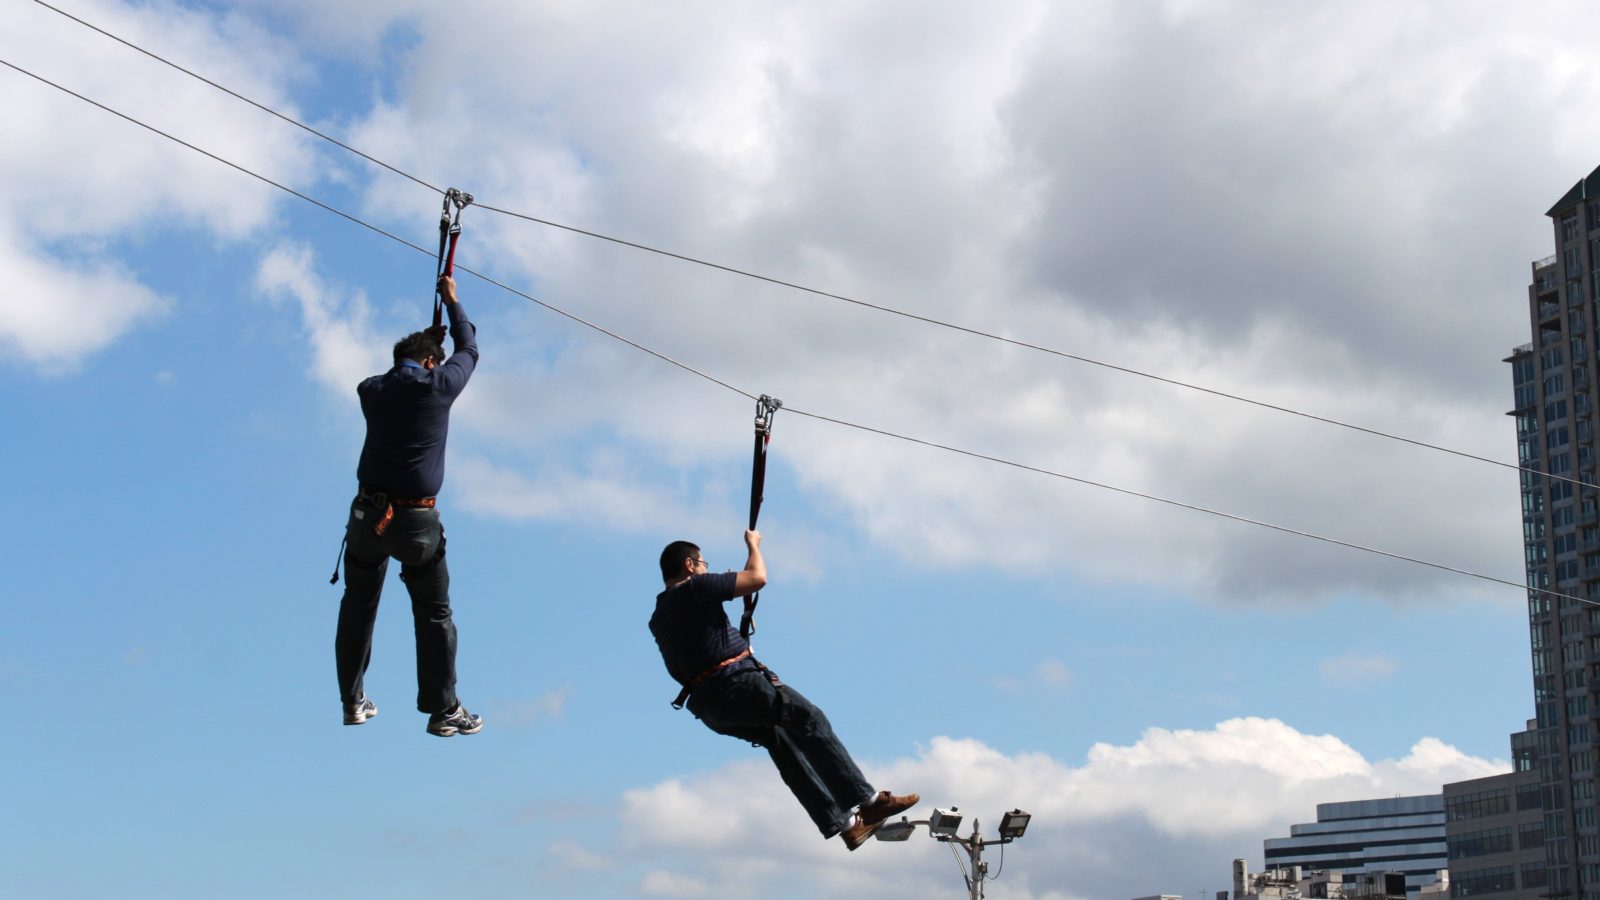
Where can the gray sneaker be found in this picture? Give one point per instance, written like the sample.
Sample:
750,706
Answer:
359,712
456,721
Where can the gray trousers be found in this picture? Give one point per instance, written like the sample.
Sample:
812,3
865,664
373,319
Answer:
415,537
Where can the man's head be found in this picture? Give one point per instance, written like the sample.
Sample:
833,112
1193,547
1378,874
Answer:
420,347
680,560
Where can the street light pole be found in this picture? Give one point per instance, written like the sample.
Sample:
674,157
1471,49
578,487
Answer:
974,847
942,828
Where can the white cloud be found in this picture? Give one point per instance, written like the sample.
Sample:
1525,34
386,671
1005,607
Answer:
576,857
345,347
1171,809
1357,669
669,884
550,705
1196,230
607,495
55,313
79,178
1277,205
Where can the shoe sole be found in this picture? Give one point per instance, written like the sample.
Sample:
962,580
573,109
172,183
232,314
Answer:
871,830
452,731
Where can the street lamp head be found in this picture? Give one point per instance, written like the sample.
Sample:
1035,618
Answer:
895,831
944,821
1014,823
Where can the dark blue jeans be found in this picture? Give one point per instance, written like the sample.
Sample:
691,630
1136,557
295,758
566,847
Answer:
795,733
415,537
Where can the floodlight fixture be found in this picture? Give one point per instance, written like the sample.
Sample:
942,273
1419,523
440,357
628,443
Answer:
944,821
1013,824
895,831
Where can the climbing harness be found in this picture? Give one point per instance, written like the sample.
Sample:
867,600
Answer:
449,233
766,409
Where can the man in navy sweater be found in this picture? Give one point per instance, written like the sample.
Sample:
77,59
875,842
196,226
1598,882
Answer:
734,695
394,515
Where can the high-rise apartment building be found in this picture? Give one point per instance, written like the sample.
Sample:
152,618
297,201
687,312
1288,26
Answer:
1555,410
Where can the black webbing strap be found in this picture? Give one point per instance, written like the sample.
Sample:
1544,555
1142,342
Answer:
766,410
449,233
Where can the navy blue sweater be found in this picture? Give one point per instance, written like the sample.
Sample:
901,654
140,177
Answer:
408,416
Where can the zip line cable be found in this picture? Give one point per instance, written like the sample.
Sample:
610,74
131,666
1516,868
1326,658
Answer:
369,226
1178,503
800,412
238,96
889,310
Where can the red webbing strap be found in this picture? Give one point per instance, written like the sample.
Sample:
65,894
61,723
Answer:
449,233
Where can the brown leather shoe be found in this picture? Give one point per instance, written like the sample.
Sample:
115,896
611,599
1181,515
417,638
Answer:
857,834
885,805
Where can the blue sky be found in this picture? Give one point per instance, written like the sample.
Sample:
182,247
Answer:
1331,209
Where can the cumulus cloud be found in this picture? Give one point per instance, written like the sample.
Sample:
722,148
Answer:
1169,810
1277,222
80,179
56,312
1329,210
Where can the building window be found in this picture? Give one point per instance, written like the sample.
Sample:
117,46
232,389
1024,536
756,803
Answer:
1482,881
1476,806
1524,396
1480,843
1582,761
1530,835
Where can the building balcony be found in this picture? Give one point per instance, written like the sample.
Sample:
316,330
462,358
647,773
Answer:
1549,311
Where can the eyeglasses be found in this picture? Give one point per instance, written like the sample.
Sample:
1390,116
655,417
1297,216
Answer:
700,561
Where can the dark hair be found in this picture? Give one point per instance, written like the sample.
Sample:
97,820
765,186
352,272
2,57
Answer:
672,559
418,346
